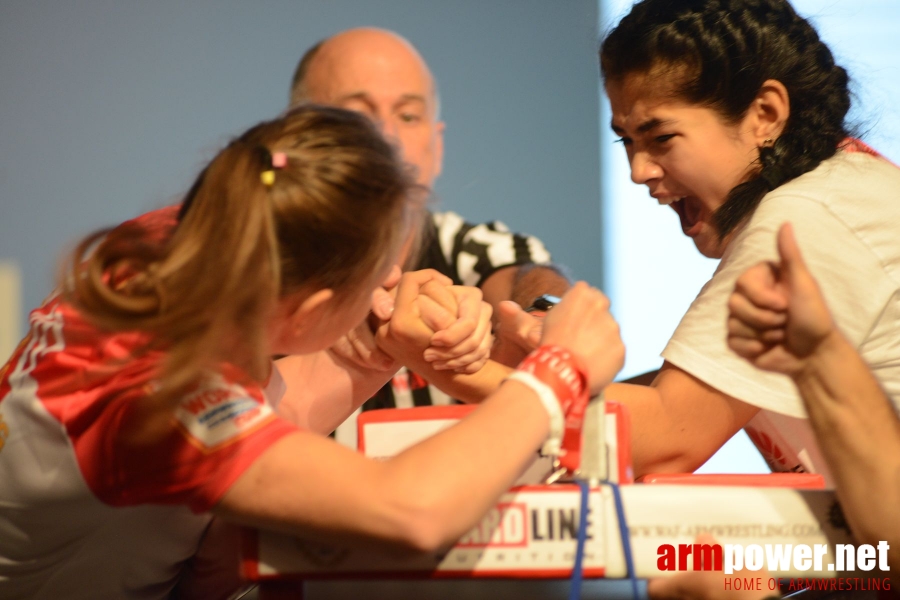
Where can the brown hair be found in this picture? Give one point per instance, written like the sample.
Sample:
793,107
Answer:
206,293
719,53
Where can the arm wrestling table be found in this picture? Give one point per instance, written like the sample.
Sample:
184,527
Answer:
526,546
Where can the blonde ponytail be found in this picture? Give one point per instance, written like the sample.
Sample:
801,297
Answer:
206,294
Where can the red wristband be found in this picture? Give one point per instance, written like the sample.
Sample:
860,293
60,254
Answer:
561,370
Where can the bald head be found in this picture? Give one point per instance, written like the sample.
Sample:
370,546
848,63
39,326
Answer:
343,51
380,74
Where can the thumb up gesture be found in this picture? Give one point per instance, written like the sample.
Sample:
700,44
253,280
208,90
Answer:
777,317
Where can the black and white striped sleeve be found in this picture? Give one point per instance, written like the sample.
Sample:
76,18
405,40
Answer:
474,252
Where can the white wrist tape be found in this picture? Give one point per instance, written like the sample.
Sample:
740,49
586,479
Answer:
548,398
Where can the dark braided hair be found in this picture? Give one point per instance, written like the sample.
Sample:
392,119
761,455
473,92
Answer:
718,53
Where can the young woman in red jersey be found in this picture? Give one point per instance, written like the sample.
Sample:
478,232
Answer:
140,404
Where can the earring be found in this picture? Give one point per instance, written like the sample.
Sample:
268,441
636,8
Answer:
768,142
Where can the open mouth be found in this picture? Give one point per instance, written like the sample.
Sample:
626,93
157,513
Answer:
689,211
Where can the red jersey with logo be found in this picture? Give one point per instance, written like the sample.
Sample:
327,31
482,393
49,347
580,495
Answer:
99,496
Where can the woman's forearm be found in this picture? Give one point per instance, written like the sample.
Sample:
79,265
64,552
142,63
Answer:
423,498
323,389
678,422
427,479
469,388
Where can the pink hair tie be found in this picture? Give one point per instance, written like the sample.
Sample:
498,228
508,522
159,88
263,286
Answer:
279,161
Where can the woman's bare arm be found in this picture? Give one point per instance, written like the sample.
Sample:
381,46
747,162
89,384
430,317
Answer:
427,496
779,322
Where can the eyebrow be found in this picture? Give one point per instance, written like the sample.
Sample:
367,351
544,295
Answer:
412,98
644,127
364,97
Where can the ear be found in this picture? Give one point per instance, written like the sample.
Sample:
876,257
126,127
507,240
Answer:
310,310
438,148
769,111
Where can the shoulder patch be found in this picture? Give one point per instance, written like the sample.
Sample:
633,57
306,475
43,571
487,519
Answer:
219,413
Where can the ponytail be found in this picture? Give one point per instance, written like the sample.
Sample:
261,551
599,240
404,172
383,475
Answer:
243,239
215,281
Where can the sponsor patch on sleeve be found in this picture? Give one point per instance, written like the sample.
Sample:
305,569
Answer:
219,413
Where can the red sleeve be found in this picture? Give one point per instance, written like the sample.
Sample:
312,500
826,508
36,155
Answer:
191,457
158,224
97,384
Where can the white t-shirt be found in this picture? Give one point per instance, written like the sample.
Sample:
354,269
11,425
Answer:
846,218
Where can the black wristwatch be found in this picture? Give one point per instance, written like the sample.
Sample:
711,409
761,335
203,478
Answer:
542,303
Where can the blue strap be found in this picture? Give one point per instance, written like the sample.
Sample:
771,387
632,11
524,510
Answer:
578,567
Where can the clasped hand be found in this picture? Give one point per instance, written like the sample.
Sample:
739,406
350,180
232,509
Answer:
423,322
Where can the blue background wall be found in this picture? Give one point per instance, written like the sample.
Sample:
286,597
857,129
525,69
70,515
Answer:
108,109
